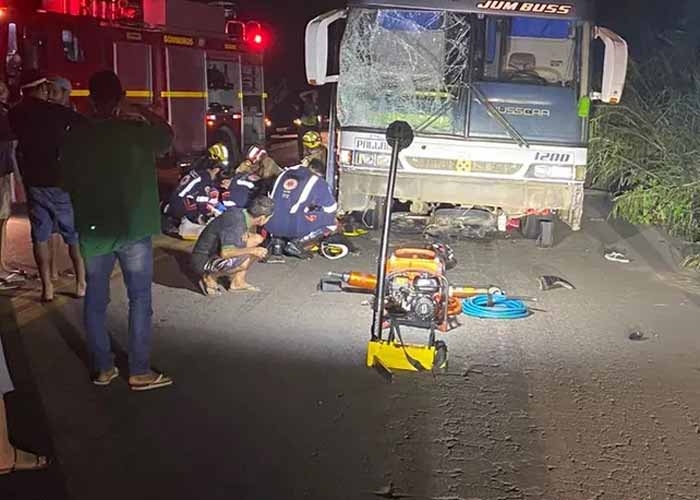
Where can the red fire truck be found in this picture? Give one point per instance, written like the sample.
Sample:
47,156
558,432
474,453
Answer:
204,68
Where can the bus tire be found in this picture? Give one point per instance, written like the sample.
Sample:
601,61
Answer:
531,225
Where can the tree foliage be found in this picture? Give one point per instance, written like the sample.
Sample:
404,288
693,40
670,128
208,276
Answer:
646,151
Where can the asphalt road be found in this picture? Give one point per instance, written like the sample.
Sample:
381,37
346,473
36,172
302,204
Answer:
272,398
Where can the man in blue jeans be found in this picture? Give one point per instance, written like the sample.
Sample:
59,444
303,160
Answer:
40,127
109,169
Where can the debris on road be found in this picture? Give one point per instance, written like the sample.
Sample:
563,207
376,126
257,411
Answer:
614,256
637,335
549,282
389,491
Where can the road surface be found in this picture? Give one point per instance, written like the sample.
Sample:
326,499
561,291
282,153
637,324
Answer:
272,399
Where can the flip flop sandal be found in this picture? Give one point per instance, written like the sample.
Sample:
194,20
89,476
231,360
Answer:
250,288
208,292
37,464
617,257
14,277
274,260
10,286
112,376
160,381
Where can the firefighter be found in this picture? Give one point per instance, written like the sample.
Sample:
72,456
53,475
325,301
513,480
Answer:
305,209
198,195
309,117
259,163
314,148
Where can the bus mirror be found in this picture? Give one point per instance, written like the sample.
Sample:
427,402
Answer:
614,66
316,47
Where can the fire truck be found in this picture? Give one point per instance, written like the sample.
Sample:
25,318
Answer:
197,62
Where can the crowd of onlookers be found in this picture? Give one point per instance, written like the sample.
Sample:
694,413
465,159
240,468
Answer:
90,181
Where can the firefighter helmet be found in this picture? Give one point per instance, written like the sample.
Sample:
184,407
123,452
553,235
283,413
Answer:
256,153
311,139
219,152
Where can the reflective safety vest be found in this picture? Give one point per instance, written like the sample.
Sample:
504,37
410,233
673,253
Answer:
238,193
304,202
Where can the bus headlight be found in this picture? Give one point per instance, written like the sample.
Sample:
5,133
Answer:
364,159
383,161
564,172
345,157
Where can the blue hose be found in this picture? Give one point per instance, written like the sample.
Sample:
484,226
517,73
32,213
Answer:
502,308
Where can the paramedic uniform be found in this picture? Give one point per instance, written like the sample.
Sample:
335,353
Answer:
240,191
304,203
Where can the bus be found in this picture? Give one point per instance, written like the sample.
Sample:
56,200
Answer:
498,93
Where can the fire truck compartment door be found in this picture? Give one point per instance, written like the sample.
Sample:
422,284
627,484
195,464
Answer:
187,97
132,62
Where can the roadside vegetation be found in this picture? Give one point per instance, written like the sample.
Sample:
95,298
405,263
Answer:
646,151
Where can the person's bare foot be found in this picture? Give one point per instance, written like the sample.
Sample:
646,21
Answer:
47,292
19,460
243,287
80,289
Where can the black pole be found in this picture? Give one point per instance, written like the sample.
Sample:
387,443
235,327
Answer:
331,174
399,135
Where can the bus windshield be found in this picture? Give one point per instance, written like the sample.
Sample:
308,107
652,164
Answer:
530,50
404,65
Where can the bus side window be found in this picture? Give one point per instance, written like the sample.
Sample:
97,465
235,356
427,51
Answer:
71,47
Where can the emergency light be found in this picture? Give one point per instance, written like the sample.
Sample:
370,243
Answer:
254,35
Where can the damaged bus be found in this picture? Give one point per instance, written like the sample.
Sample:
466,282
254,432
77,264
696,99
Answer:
498,94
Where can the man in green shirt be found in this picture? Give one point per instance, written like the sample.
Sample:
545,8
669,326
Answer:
108,167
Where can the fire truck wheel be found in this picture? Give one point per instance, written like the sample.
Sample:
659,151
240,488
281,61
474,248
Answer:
226,136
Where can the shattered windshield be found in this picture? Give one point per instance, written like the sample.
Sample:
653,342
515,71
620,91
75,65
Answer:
403,64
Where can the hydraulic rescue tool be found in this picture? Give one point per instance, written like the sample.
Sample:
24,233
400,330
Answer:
393,352
410,289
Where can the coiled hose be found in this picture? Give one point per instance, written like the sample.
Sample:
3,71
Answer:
501,307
